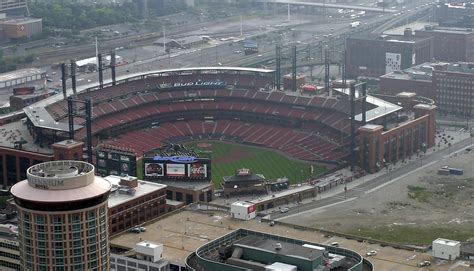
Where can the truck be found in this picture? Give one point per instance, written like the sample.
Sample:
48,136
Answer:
354,24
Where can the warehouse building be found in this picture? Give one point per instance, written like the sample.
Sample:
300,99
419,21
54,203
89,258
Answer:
22,27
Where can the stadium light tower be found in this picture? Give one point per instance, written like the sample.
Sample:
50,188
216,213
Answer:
81,109
362,87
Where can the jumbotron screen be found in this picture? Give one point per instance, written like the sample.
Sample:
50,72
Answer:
177,167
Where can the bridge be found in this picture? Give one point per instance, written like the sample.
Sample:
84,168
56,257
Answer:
327,5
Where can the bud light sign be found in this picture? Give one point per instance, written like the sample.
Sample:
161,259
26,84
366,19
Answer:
176,159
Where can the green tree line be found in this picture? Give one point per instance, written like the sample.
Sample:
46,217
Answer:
68,14
10,63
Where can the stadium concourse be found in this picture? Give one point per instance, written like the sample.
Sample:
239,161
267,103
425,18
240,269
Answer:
222,103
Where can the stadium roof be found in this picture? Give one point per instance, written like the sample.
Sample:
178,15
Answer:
382,108
45,120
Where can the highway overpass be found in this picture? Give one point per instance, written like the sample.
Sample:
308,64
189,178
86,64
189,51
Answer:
327,5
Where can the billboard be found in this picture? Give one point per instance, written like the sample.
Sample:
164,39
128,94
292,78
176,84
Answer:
111,162
193,84
393,62
197,170
175,170
154,169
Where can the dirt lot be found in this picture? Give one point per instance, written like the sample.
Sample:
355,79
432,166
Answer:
414,210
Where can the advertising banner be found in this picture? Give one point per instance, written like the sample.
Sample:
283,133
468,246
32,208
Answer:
393,62
175,170
197,170
154,169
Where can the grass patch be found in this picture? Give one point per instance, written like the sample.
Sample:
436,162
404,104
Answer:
414,234
419,193
263,161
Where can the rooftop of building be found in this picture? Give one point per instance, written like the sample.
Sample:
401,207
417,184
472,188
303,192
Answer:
22,73
451,30
17,131
189,185
446,242
21,20
118,196
243,203
183,231
60,181
424,71
286,248
149,244
418,25
68,142
404,38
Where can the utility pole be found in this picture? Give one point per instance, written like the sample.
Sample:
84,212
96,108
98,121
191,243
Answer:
164,38
289,15
241,27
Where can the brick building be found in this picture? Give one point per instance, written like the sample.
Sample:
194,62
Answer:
17,102
380,147
133,202
455,89
415,79
450,44
450,85
373,56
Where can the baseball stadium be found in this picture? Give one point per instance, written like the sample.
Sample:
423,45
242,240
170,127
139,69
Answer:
237,105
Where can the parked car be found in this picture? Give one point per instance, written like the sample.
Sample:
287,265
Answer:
135,230
371,253
334,244
284,210
424,263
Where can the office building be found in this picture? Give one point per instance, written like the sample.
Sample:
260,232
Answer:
133,202
373,56
450,44
62,217
449,85
455,89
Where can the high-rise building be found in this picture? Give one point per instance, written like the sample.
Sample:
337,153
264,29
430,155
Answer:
62,217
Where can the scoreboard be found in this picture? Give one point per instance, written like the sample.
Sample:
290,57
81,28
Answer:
116,162
176,168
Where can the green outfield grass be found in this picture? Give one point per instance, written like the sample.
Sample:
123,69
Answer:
226,158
